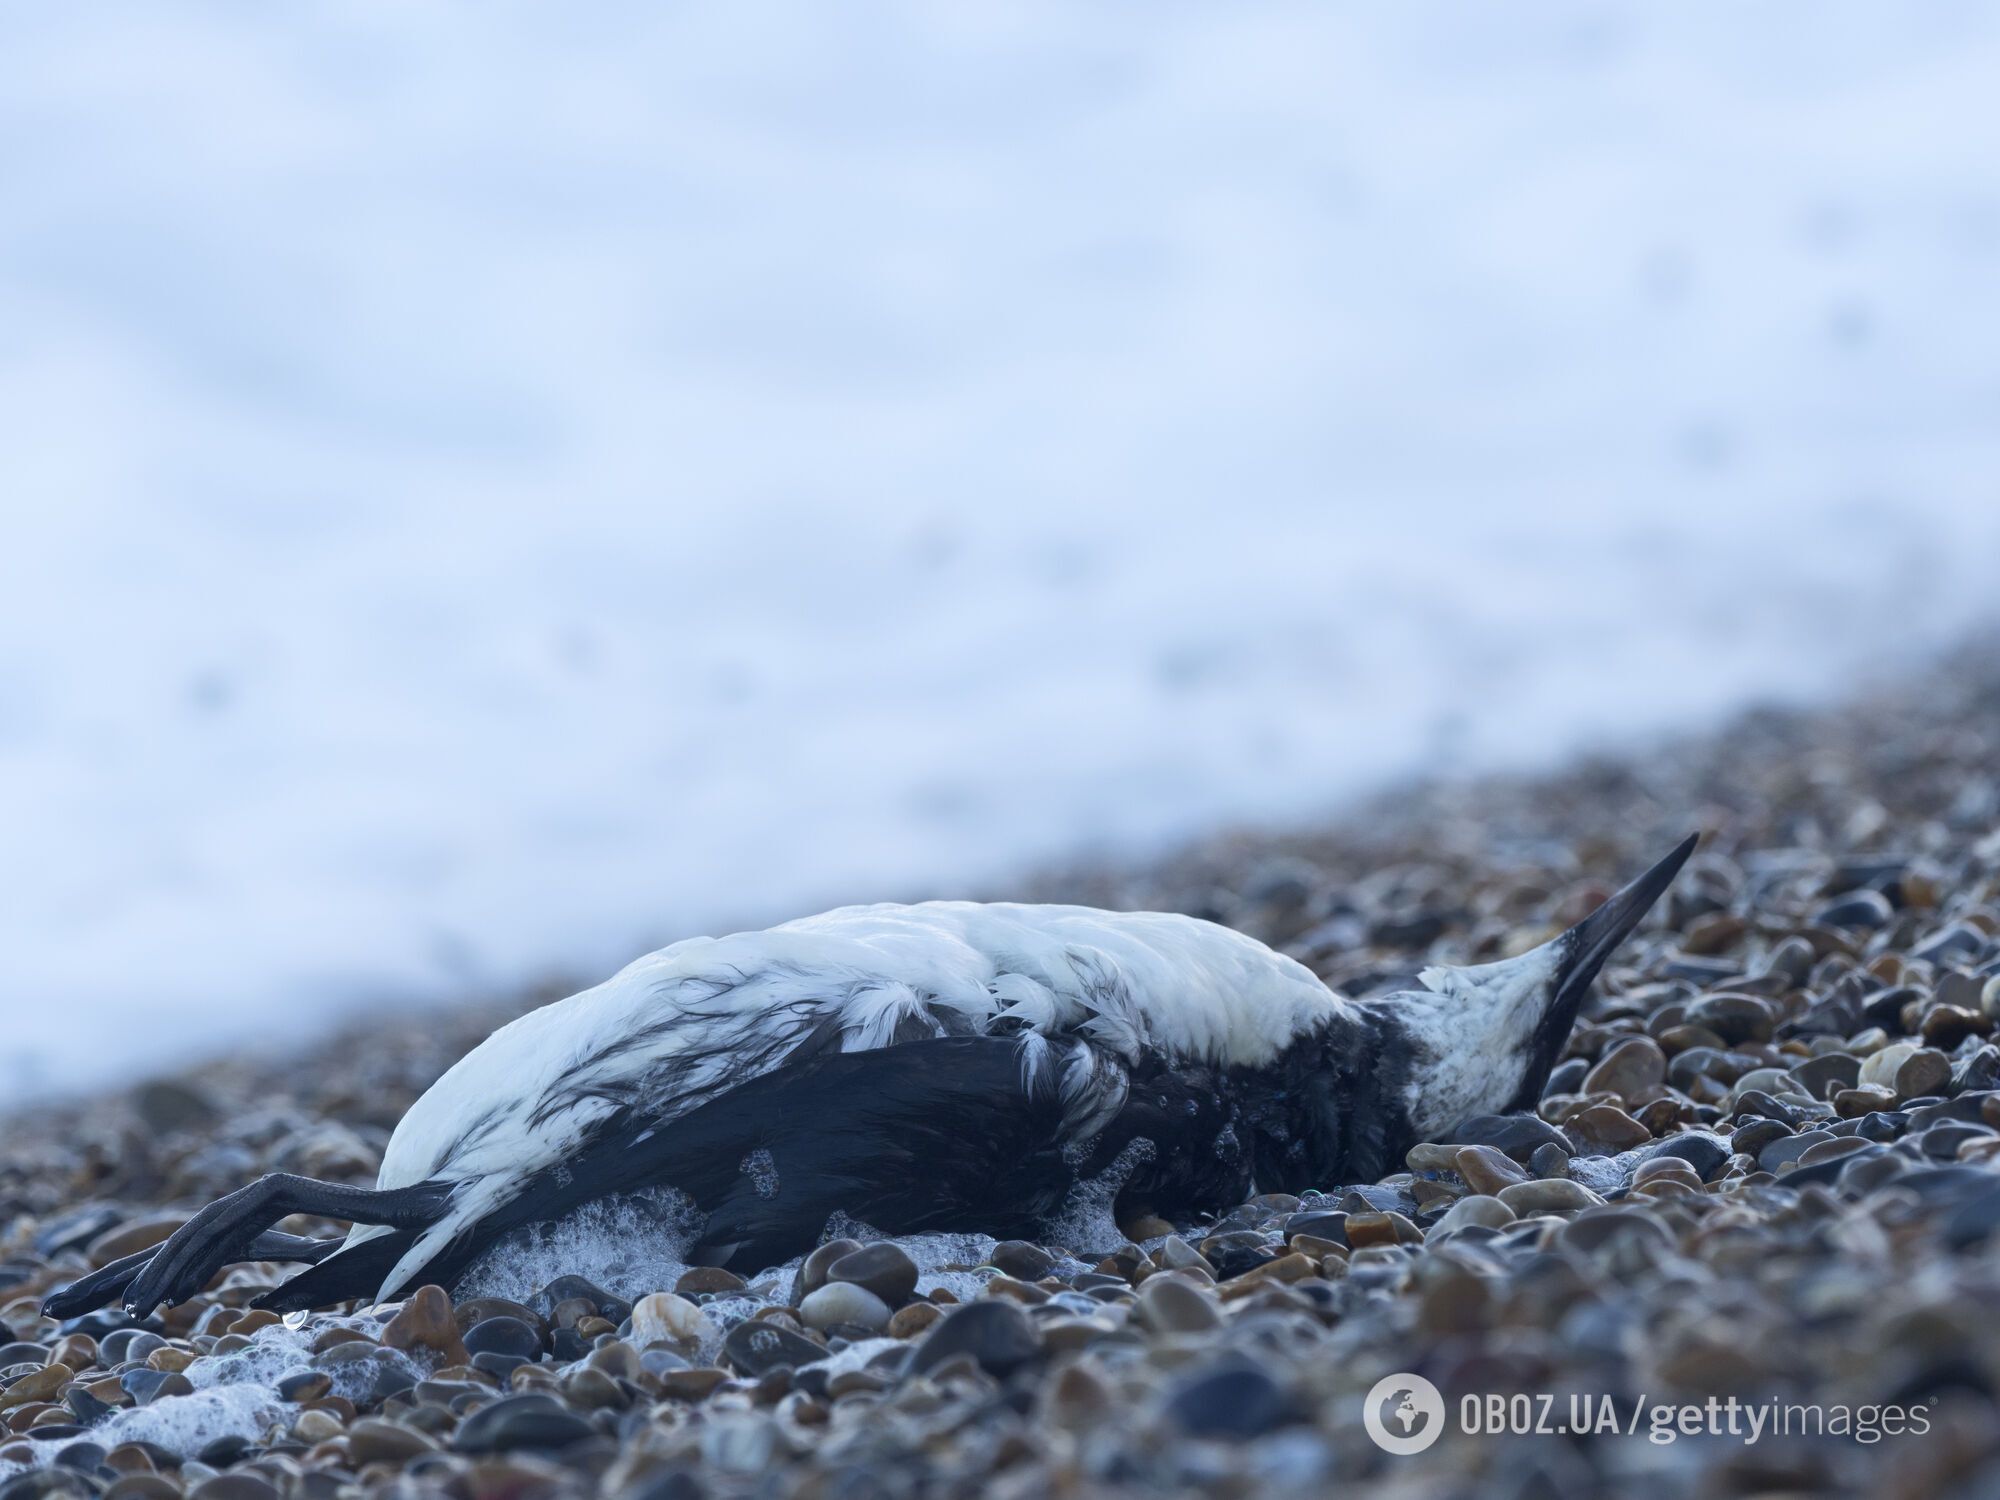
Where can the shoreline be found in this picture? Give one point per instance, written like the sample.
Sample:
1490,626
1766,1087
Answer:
1768,1169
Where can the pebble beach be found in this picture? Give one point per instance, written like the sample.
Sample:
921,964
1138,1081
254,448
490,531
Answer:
1764,1182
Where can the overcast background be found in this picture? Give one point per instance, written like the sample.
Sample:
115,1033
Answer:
490,489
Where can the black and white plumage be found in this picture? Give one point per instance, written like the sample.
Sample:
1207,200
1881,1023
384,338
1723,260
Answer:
948,1065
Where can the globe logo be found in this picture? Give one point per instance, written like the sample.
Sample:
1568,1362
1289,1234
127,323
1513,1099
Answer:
1404,1414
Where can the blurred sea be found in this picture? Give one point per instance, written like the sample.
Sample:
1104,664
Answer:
492,489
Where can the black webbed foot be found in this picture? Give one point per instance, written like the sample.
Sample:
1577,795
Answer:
88,1293
229,1229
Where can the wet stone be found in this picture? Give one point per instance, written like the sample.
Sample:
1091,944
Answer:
1547,1196
1022,1260
840,1303
698,1281
1169,1304
517,1422
996,1334
664,1318
1233,1400
1628,1069
1516,1136
426,1321
607,1305
758,1346
1487,1169
504,1336
812,1271
884,1269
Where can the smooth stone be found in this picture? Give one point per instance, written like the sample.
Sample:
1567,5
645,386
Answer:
1169,1304
664,1318
133,1236
505,1336
812,1272
41,1384
515,1422
692,1384
997,1335
709,1280
1022,1260
1754,1134
609,1306
1782,1153
884,1269
479,1309
910,1321
426,1321
1176,1254
147,1386
1546,1195
1634,1065
1550,1161
1734,1017
1610,1127
1703,1150
1512,1135
1478,1211
1862,1099
1823,1075
372,1440
1487,1169
1879,1068
845,1302
1232,1399
760,1346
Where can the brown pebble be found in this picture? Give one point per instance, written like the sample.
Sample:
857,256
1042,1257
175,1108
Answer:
708,1279
78,1351
325,1339
427,1321
1628,1070
812,1272
37,1385
372,1440
1077,1400
316,1426
1547,1195
1609,1126
910,1321
133,1236
691,1385
1295,1267
1487,1170
130,1458
1862,1099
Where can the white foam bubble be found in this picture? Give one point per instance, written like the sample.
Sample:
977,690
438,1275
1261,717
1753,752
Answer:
762,1170
1087,1222
236,1394
629,1244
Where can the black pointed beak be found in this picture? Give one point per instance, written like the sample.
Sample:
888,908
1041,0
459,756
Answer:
1588,944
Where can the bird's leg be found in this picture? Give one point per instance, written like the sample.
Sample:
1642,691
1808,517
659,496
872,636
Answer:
88,1293
227,1230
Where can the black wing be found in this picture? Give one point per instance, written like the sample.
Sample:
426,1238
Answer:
938,1134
